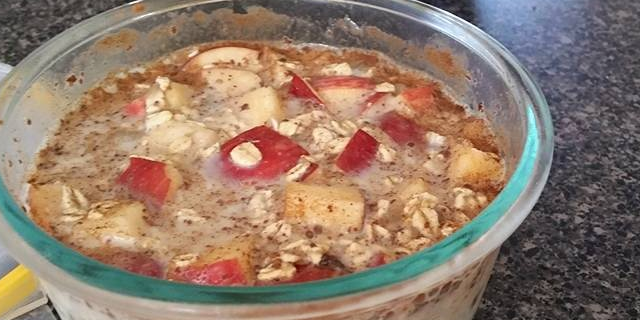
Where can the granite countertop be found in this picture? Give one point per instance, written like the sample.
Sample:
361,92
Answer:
577,256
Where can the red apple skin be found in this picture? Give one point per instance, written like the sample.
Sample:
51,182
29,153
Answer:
146,180
220,273
140,264
420,98
312,273
345,96
279,155
312,168
401,129
358,154
300,88
135,262
378,259
135,108
371,100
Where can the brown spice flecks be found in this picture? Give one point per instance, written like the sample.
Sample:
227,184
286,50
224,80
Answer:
200,17
120,40
72,79
444,61
138,8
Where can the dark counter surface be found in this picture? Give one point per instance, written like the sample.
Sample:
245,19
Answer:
577,256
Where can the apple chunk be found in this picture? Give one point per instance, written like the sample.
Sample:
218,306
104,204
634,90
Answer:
236,57
259,106
135,108
344,96
151,181
401,129
45,204
120,224
136,262
372,100
228,265
470,166
227,83
300,88
378,259
358,154
178,95
276,154
178,137
310,273
337,208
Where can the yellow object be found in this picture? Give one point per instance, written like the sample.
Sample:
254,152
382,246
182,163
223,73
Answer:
16,286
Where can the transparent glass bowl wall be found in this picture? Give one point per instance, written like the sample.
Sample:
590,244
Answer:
36,90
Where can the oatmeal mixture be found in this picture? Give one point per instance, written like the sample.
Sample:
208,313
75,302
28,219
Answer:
258,164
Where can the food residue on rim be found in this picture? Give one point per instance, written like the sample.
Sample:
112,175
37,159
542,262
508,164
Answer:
444,61
138,8
124,39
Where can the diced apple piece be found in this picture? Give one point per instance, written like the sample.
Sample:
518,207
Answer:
378,259
411,187
227,265
135,108
237,57
46,199
45,204
278,154
151,181
168,132
219,273
470,166
344,96
139,263
300,88
336,208
401,129
136,262
229,83
178,95
373,100
179,136
383,104
121,225
259,106
310,273
420,98
358,154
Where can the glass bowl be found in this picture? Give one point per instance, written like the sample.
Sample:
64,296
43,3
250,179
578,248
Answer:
445,281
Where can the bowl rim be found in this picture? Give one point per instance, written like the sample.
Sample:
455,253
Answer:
516,199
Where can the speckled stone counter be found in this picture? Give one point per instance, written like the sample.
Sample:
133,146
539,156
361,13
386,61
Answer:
578,255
